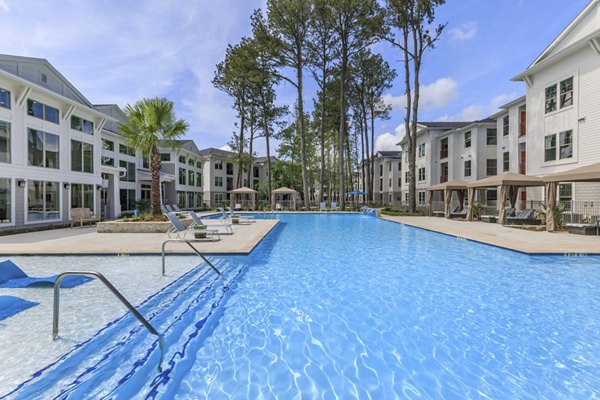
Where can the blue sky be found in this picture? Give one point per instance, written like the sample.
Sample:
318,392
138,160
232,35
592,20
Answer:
121,51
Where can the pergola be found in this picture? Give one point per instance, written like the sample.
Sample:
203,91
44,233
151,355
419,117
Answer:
448,188
508,183
587,173
243,191
281,192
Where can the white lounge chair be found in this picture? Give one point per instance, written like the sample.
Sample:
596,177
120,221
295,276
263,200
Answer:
223,222
278,207
180,231
333,206
249,218
322,206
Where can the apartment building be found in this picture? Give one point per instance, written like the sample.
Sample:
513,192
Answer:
50,145
387,182
181,174
562,105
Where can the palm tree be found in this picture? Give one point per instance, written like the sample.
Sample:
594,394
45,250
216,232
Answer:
148,122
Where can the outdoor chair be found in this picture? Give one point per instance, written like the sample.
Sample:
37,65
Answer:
525,217
198,221
179,230
322,206
176,208
459,214
229,217
333,206
164,209
250,218
588,228
81,215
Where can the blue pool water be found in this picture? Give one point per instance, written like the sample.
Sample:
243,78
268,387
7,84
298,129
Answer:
349,306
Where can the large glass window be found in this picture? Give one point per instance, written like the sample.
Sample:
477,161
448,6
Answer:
191,176
467,139
191,162
190,199
421,150
505,161
129,151
109,161
565,193
42,111
5,201
566,144
199,164
82,125
467,169
43,200
421,174
182,159
550,99
218,181
130,174
505,125
229,169
198,179
4,98
42,149
82,156
492,136
108,145
165,157
566,93
82,196
444,148
4,142
491,167
127,198
182,176
550,147
219,164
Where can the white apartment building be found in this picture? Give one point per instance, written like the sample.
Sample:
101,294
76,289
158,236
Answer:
388,178
181,174
563,106
50,145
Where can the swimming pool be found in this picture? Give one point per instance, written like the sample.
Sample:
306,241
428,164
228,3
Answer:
348,306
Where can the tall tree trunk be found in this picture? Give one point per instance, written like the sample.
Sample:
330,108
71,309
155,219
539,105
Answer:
241,147
363,166
372,111
302,136
370,177
412,136
251,159
342,130
415,103
155,183
322,134
268,146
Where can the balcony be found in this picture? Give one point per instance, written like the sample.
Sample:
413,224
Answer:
443,153
522,168
443,178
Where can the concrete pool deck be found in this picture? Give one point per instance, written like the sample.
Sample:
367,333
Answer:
530,242
85,241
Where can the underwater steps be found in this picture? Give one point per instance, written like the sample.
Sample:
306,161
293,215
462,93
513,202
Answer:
121,360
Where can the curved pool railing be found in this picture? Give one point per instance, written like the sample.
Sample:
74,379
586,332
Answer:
115,291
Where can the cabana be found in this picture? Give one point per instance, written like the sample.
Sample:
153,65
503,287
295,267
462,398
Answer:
508,183
282,191
448,188
588,173
243,192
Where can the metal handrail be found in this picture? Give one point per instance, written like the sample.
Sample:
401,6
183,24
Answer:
126,303
188,242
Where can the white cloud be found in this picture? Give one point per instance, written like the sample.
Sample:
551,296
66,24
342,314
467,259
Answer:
465,31
388,140
4,6
476,112
435,95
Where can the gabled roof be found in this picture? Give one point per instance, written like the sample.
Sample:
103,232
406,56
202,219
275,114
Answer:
444,124
264,159
113,111
389,154
11,64
211,151
184,144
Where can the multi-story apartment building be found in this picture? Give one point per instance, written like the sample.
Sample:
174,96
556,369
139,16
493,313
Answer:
563,113
181,160
387,182
50,145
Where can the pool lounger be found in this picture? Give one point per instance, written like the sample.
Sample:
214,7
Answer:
11,276
11,305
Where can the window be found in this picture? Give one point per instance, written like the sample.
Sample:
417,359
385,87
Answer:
108,145
218,198
42,149
191,176
229,168
190,197
219,164
491,167
421,198
565,193
444,148
467,168
566,144
130,174
256,172
128,151
43,200
491,194
127,197
566,93
82,157
199,166
491,137
42,111
218,181
82,125
421,174
399,165
421,150
191,162
389,167
550,147
467,139
505,161
182,176
82,196
5,201
198,179
505,125
165,157
380,170
4,142
108,161
550,99
146,162
182,159
198,199
4,98
406,176
390,182
181,199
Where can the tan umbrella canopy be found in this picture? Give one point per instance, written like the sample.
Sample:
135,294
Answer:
507,182
587,173
448,188
283,191
242,192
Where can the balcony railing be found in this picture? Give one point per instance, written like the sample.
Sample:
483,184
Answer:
522,168
443,153
443,178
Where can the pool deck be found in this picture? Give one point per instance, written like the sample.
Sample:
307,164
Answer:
521,240
86,241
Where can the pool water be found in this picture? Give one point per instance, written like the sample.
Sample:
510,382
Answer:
349,306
